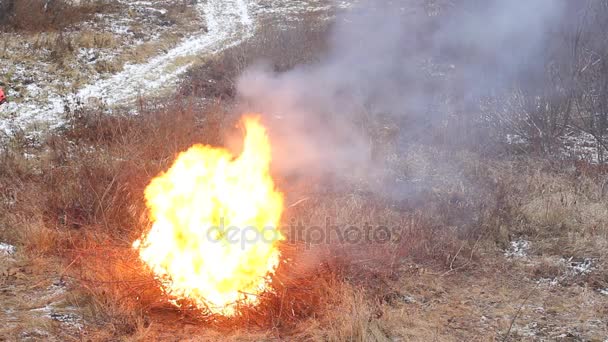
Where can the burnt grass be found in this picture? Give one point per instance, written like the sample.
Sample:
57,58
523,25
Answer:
75,199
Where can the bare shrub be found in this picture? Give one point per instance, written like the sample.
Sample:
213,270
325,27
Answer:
283,49
100,40
567,95
45,15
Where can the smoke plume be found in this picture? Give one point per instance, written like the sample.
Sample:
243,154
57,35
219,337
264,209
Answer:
396,59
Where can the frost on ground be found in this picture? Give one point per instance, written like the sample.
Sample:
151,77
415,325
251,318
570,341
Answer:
56,308
574,145
288,11
227,22
518,249
38,106
568,268
577,267
582,145
571,269
35,304
6,249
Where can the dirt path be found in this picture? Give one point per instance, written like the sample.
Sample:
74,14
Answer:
228,22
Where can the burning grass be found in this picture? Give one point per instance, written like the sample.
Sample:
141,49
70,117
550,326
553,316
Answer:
74,204
76,200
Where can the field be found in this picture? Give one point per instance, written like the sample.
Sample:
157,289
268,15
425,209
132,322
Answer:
474,222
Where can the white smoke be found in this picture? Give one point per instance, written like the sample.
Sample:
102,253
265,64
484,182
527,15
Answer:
385,58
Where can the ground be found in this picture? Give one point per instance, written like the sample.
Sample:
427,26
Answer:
509,247
524,280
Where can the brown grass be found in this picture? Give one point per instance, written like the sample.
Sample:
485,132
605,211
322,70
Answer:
283,49
37,15
74,205
99,40
79,199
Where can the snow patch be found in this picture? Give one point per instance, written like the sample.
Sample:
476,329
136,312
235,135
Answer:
515,139
581,145
57,312
518,249
574,268
580,266
6,249
228,23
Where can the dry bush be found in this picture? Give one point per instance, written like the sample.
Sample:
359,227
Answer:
180,13
561,98
282,49
62,51
99,40
143,52
43,15
44,40
566,207
560,211
349,316
108,67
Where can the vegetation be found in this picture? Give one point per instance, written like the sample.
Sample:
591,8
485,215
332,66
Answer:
45,15
72,203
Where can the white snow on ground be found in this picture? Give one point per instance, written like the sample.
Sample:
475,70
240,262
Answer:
226,20
575,144
228,23
518,249
57,308
6,249
579,267
580,145
573,268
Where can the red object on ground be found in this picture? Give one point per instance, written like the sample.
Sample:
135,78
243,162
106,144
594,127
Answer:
2,97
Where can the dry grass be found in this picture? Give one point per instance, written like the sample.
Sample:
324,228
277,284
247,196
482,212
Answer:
98,40
78,200
556,204
40,15
283,49
73,205
144,51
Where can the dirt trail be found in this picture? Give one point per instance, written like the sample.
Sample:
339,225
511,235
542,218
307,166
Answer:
228,22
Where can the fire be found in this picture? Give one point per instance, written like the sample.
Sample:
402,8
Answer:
214,238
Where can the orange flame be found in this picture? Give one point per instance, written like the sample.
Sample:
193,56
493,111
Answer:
214,238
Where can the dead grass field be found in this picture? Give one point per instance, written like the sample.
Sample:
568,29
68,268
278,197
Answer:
73,206
503,248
